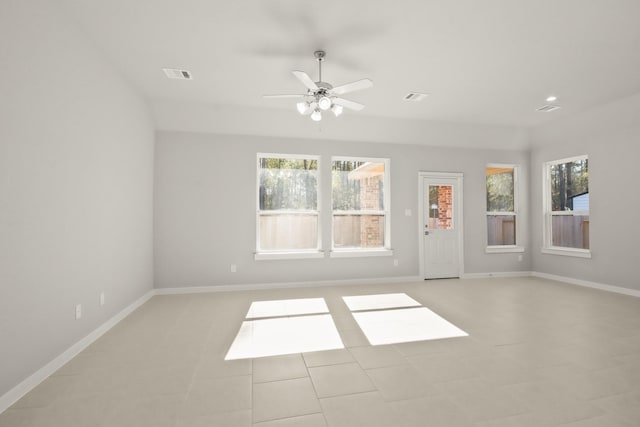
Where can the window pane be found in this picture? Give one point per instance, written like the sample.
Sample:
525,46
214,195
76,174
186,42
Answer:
501,230
284,232
357,185
499,189
288,183
440,207
570,231
569,185
358,231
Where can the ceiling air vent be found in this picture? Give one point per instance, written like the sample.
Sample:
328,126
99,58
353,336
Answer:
548,108
174,73
415,96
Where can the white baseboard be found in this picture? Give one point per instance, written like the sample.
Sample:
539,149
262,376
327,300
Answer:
13,395
264,286
588,284
496,274
564,279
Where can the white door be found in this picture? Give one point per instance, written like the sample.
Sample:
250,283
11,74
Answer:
441,225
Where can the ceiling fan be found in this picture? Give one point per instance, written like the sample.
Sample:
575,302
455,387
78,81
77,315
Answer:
321,96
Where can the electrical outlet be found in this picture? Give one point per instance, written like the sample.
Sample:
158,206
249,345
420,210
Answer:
407,212
78,311
101,298
234,268
519,258
396,262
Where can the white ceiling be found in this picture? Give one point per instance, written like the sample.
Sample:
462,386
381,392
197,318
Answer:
482,61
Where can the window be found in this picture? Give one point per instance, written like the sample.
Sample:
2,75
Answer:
288,206
566,207
360,201
440,207
502,208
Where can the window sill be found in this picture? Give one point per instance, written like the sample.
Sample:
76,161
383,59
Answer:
503,249
262,256
355,253
579,253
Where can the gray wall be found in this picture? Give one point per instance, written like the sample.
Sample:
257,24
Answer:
205,206
610,136
76,177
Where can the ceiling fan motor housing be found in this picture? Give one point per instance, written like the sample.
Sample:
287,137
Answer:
323,86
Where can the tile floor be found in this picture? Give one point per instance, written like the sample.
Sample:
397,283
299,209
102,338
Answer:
539,353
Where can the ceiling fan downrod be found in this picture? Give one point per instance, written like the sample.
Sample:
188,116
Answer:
319,54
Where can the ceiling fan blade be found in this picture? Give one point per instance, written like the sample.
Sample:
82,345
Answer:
353,86
348,104
284,96
305,79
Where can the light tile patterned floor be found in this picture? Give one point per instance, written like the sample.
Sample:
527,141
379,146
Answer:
539,353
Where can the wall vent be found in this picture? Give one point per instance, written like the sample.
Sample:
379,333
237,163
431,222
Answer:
174,73
415,96
548,108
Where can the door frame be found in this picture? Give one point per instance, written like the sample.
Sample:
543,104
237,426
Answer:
458,206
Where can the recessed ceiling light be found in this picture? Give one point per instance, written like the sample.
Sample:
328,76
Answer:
552,98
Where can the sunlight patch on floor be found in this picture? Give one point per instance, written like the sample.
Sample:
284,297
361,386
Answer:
376,302
273,328
405,325
384,319
287,307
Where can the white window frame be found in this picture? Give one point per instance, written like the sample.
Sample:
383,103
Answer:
547,213
262,254
366,252
496,249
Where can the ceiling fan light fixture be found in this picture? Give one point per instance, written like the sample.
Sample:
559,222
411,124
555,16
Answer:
303,107
324,103
321,96
316,116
